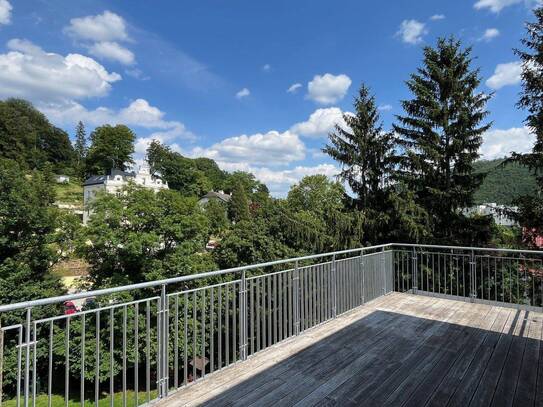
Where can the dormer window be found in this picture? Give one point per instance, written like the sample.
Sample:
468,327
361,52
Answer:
118,178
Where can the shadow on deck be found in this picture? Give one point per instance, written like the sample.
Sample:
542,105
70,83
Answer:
400,350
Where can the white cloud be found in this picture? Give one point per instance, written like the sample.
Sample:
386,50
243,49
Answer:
5,12
437,17
328,88
412,31
107,26
501,142
495,5
385,108
271,149
490,34
294,88
505,74
320,122
29,72
266,68
112,51
243,93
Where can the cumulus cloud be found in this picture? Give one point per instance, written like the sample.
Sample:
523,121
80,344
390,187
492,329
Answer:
112,51
501,142
272,149
243,93
326,89
495,5
505,74
107,26
490,34
294,88
29,72
5,12
412,31
437,17
320,123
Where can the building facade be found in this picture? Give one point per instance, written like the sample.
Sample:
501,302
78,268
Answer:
115,182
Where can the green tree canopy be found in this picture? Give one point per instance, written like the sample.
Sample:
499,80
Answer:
239,205
144,236
27,137
111,147
81,149
441,133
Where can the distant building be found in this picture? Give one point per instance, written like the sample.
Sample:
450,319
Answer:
62,179
498,212
115,181
218,196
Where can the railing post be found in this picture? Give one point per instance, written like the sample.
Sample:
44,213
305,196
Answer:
243,317
363,273
163,344
296,299
334,289
384,288
27,353
472,272
415,271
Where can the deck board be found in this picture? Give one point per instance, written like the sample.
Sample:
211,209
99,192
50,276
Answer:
401,349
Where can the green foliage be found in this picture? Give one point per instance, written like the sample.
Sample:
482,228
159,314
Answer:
238,209
111,147
504,182
27,137
81,149
141,236
247,180
441,133
181,173
216,212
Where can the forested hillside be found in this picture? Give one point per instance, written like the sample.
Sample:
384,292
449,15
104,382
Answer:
503,184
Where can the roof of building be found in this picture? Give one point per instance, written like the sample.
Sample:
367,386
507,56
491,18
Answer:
100,179
219,195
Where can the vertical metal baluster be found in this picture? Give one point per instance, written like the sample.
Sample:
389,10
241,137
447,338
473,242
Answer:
111,358
83,334
34,362
333,275
220,333
290,311
203,324
50,367
176,343
301,300
67,363
19,365
280,306
148,350
185,337
97,363
194,335
252,295
243,322
124,354
227,324
270,329
136,354
212,331
27,354
495,279
274,302
235,323
258,320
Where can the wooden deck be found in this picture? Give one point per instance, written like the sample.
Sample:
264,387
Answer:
399,350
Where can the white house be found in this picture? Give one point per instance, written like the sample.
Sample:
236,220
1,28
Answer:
115,181
498,212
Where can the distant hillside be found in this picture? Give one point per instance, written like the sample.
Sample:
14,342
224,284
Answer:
503,184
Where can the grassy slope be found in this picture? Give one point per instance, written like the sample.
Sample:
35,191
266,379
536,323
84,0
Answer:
70,193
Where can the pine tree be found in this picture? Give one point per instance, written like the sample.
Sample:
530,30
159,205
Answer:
81,148
441,133
364,150
366,154
530,214
239,204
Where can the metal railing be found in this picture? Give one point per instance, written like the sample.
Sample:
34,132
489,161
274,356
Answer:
134,344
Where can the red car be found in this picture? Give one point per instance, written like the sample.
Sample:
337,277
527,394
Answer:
69,308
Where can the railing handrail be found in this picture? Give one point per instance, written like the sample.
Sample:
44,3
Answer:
173,280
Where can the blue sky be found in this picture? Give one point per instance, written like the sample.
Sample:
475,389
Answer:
212,78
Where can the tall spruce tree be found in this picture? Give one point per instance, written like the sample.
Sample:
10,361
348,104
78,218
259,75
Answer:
530,214
80,148
239,205
440,136
366,154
